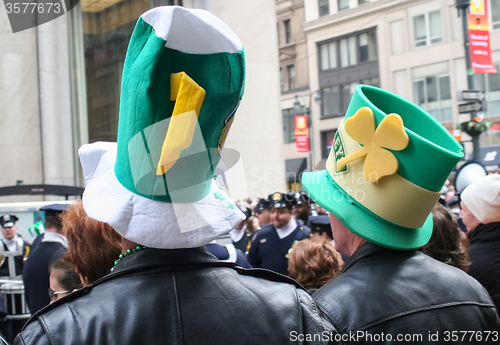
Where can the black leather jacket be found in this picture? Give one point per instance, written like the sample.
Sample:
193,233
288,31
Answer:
391,293
484,254
180,296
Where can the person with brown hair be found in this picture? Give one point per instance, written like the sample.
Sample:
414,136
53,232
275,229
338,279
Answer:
313,262
445,245
93,246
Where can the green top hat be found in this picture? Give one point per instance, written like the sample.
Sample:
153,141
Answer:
388,163
182,81
179,94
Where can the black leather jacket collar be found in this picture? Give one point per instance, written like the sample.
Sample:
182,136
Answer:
366,250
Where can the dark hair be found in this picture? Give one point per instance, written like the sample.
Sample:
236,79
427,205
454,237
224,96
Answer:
53,222
445,245
93,246
313,262
68,279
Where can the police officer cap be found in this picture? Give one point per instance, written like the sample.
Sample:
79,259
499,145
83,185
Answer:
320,224
245,210
262,205
303,198
54,209
282,200
8,220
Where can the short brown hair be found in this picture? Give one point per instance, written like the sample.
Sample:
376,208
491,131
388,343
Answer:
51,222
445,245
313,262
93,246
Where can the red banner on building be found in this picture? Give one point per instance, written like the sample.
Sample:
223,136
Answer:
479,38
301,133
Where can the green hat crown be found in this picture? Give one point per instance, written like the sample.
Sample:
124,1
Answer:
182,82
388,163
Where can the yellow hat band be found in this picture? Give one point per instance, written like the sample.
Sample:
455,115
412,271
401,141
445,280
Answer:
392,198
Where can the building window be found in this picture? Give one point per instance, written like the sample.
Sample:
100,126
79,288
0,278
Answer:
288,31
490,84
343,4
495,13
324,7
367,47
361,2
346,94
289,125
372,81
278,30
338,60
330,101
428,29
328,56
433,93
282,84
335,99
348,51
326,142
291,77
364,43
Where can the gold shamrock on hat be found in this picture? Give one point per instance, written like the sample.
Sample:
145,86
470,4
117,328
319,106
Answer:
390,134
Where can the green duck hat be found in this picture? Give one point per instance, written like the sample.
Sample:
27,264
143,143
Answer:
182,82
388,163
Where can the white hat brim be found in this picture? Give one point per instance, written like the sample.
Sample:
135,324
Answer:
154,224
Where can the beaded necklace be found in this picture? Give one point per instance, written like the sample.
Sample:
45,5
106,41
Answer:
127,253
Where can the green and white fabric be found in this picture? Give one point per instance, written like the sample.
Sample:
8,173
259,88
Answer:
182,82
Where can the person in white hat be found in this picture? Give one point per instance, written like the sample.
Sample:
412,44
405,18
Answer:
481,214
183,79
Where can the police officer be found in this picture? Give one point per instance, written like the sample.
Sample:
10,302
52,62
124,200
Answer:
272,243
52,246
12,242
14,249
302,209
263,212
240,236
320,227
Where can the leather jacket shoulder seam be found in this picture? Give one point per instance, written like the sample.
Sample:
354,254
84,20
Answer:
334,320
299,313
267,275
47,331
319,313
418,310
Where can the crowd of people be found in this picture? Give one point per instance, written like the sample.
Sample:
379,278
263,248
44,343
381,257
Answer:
365,254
